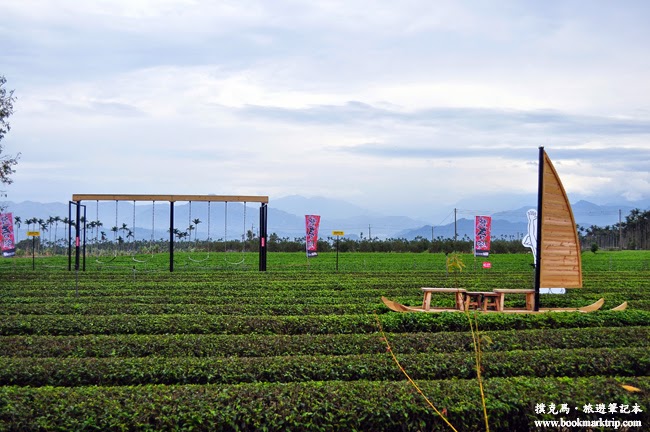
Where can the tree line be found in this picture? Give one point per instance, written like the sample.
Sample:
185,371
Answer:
632,233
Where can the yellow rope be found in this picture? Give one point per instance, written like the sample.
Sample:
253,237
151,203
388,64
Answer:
476,339
390,350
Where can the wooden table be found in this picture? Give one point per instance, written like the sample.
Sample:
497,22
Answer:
460,296
483,300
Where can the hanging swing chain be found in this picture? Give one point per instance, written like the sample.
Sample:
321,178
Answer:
133,231
97,220
225,227
115,232
189,222
208,226
153,220
243,238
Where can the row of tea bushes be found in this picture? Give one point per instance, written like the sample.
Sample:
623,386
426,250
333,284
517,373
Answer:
273,307
110,308
308,324
312,406
253,345
300,350
71,371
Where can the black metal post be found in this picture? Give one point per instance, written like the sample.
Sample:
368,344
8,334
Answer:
76,237
33,252
337,254
70,235
171,236
84,242
540,201
263,237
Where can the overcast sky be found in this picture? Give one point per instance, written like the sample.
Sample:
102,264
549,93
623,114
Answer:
405,107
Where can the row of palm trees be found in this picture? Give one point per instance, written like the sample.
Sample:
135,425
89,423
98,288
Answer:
633,233
43,225
98,235
121,234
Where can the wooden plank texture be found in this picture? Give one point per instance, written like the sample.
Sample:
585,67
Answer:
169,198
561,265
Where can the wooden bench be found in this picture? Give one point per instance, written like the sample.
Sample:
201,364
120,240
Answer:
460,296
530,296
483,300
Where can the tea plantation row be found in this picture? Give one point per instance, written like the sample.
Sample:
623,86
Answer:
301,350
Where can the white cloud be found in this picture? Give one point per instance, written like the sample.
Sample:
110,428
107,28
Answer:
408,105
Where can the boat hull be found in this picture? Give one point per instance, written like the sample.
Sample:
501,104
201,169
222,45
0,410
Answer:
398,307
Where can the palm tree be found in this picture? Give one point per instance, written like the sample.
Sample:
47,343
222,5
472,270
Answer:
66,222
179,234
114,230
125,229
632,227
57,219
92,225
98,225
43,227
42,224
49,222
17,221
196,223
29,223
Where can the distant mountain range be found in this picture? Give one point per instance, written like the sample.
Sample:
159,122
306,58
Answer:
286,219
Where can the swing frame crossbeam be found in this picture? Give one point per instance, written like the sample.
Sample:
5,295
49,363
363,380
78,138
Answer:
170,198
78,198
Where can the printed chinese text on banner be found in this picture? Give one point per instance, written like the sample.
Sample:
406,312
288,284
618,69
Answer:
7,234
482,228
311,225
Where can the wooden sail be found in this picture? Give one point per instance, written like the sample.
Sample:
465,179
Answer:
559,264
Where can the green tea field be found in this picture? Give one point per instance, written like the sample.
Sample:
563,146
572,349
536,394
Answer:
218,346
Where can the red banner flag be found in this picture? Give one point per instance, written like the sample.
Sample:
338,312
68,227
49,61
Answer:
482,228
7,235
311,225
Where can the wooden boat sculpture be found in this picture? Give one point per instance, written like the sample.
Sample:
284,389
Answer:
553,238
398,307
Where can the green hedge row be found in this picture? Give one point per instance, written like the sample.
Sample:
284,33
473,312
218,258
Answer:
273,299
221,282
315,304
613,285
313,406
256,308
237,295
408,287
233,282
251,345
275,305
73,372
308,324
